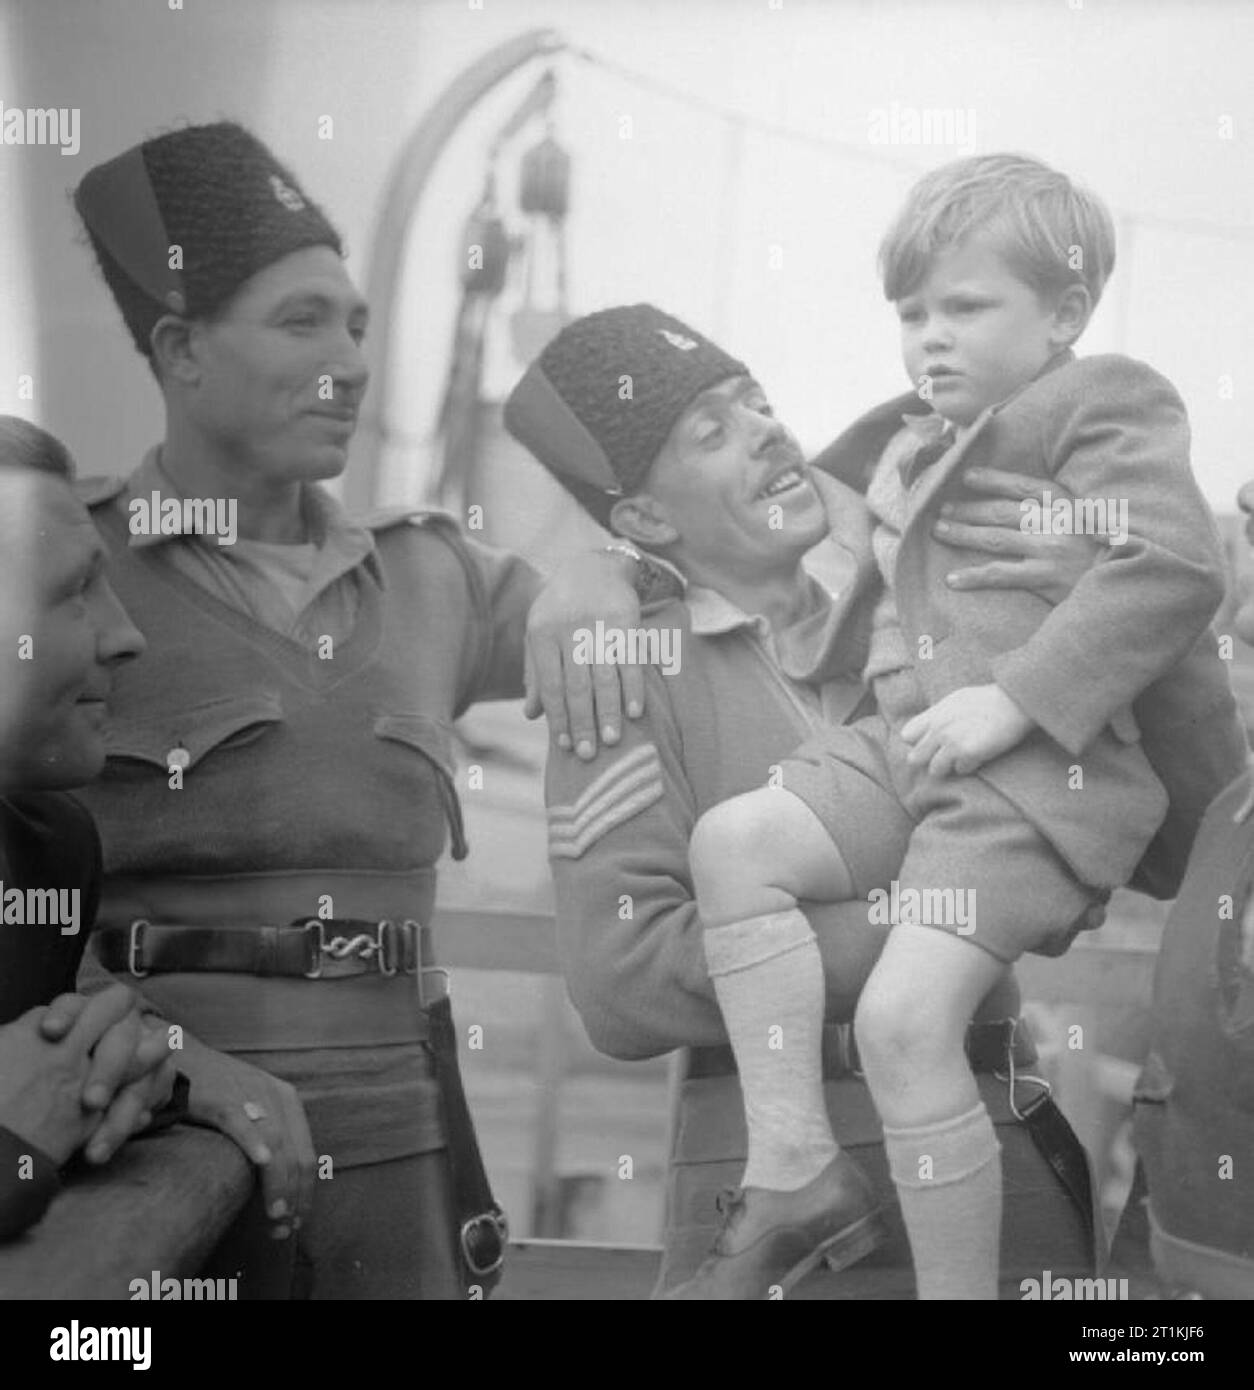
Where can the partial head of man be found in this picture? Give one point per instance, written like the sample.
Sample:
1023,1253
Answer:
670,442
231,281
62,630
995,265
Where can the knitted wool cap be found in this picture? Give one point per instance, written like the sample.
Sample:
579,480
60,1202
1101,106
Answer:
598,403
214,191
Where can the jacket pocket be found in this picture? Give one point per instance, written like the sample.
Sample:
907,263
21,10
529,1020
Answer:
183,738
429,738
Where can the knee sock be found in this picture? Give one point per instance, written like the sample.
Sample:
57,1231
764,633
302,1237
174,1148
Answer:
948,1177
768,974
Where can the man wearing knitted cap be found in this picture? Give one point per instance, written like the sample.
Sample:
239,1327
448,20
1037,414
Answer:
284,755
672,443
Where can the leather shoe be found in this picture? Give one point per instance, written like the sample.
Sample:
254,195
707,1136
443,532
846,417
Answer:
774,1239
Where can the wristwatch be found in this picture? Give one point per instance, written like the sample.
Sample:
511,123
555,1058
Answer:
656,579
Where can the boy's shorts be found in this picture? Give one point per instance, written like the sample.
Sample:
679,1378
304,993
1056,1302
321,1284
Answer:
938,833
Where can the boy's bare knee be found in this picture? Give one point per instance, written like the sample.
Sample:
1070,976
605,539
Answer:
904,1023
731,833
878,1027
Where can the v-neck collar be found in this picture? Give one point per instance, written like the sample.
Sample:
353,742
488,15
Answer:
299,660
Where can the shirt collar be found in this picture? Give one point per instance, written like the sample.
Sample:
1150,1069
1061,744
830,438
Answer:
342,543
929,427
803,651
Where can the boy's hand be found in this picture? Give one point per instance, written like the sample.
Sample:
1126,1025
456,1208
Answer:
966,729
580,701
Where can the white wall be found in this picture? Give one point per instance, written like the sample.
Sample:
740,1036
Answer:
1127,97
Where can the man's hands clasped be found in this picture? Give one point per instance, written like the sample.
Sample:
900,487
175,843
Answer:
83,1073
86,1073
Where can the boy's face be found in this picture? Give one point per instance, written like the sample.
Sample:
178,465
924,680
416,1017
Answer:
973,333
54,594
733,482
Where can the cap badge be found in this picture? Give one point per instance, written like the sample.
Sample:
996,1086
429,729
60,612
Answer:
287,195
678,340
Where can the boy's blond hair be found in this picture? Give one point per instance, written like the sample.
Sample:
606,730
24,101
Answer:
1050,232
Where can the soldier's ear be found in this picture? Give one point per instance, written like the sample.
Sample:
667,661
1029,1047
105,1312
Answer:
643,519
173,355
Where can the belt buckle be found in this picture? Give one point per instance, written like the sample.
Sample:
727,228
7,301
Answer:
135,948
495,1225
1011,1076
317,947
391,947
384,932
409,943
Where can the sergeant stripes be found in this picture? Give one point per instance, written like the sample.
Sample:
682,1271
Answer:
624,789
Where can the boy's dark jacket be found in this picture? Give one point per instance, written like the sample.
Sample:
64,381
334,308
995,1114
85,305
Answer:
1130,654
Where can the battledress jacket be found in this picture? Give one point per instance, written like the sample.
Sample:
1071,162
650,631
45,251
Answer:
629,932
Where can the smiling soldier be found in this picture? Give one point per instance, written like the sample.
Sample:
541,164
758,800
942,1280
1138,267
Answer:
696,468
279,784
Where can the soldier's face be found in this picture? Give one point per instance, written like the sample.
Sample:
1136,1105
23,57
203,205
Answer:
62,633
734,484
282,372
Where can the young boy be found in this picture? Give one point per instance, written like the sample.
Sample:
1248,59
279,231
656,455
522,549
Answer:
1005,726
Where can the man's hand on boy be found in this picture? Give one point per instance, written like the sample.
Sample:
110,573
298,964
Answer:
585,589
1048,565
584,704
965,730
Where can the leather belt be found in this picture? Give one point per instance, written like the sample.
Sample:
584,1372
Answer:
998,1049
988,1047
314,948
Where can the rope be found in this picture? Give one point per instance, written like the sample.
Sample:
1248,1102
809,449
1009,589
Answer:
843,149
